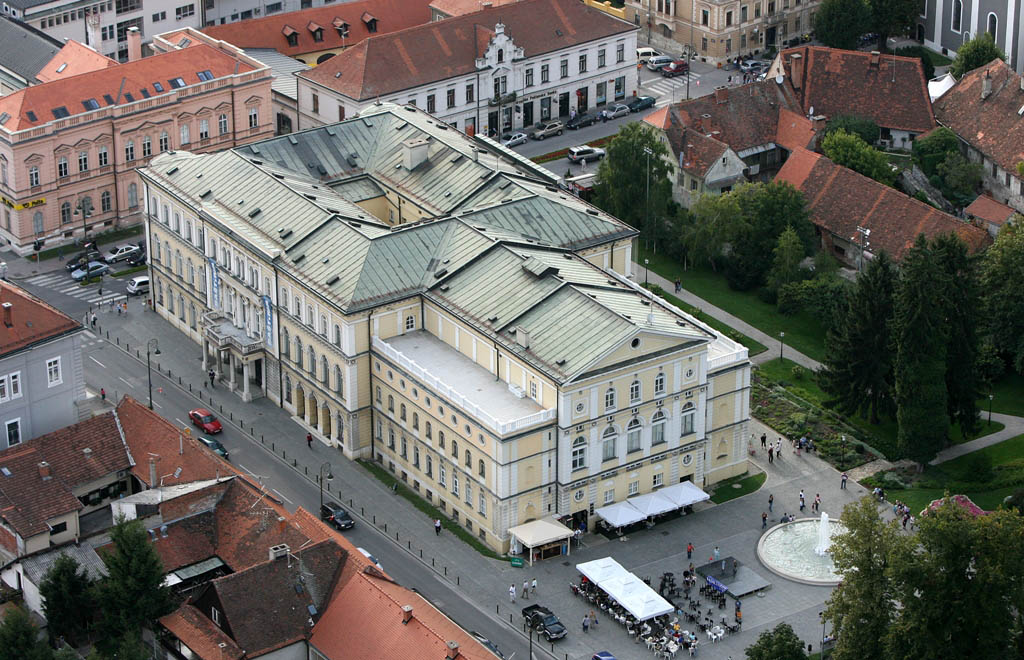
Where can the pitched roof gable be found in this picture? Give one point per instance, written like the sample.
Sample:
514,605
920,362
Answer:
32,320
74,58
989,210
28,498
744,117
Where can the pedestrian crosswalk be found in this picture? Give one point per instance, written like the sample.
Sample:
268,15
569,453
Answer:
61,282
668,90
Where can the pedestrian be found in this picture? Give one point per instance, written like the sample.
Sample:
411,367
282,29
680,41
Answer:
764,520
734,566
309,440
803,503
778,449
842,482
771,500
689,551
583,164
60,253
437,527
103,394
771,454
764,440
124,306
111,302
817,502
512,593
526,590
93,320
716,554
533,587
211,375
118,309
586,623
593,619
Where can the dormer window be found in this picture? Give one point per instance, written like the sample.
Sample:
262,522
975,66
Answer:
342,28
370,21
501,55
316,31
291,34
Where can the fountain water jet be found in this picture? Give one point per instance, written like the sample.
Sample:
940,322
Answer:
824,534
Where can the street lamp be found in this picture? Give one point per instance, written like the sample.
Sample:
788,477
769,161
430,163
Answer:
864,234
822,615
84,209
647,211
648,261
329,477
782,344
843,449
149,366
990,396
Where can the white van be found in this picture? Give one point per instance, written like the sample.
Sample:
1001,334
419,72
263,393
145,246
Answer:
644,54
138,285
659,61
370,557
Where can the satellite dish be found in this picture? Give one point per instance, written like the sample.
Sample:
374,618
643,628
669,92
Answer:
811,111
778,79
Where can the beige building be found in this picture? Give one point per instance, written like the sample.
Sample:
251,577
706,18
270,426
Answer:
439,304
717,31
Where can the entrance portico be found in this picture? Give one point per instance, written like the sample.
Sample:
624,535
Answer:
228,346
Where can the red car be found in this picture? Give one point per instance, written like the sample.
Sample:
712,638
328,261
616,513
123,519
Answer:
205,420
677,68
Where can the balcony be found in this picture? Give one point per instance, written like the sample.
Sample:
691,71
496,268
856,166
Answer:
467,385
222,333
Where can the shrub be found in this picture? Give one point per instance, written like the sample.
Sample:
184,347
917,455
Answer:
978,467
892,481
798,373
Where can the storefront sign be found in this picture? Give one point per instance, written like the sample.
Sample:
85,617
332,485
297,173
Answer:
214,282
26,205
268,332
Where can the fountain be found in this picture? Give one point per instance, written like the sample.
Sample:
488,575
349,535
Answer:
798,550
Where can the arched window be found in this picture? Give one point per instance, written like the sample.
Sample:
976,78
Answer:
37,222
958,14
323,325
469,460
430,466
428,430
481,469
608,444
686,427
133,195
416,421
337,335
287,388
501,55
579,453
993,25
105,201
391,404
156,250
633,436
65,213
311,360
455,450
658,428
339,381
634,391
378,396
659,384
325,370
401,412
298,351
410,323
609,399
285,338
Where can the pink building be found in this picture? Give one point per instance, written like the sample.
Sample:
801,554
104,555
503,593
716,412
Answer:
69,147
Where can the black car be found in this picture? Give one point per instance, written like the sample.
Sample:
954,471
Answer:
215,446
581,120
641,103
333,514
82,258
488,644
137,259
544,621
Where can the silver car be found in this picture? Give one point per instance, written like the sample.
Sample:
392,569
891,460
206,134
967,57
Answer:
617,110
121,252
514,139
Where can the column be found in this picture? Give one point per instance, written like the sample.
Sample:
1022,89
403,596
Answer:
206,356
246,395
231,370
219,363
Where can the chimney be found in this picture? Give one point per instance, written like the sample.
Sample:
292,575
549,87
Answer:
152,472
44,470
134,44
522,337
796,70
689,153
722,94
705,124
281,524
406,614
87,452
986,91
875,55
414,152
453,651
8,321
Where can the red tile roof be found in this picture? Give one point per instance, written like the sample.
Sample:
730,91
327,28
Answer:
270,31
795,131
116,81
993,126
32,320
86,451
445,49
201,635
150,436
76,58
891,91
460,7
989,210
840,200
27,498
658,118
699,152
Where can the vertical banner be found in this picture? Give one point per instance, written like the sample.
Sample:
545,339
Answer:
268,332
214,282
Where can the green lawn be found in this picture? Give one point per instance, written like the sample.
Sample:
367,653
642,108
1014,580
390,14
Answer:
803,332
937,59
1007,396
753,347
725,490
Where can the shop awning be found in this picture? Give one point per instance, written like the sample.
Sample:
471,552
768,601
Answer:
620,514
540,532
683,494
652,504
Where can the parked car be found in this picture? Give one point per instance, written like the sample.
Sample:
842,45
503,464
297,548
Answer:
137,259
370,557
676,68
580,120
92,269
138,286
544,621
488,644
655,63
83,258
641,103
205,420
753,66
214,446
645,54
514,139
603,655
617,110
546,129
121,252
585,152
336,516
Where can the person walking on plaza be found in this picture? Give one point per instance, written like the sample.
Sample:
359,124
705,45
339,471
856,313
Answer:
437,527
689,550
586,623
803,503
771,500
817,502
309,440
526,590
764,440
771,454
533,587
93,320
103,394
716,554
512,593
764,520
778,449
212,376
842,481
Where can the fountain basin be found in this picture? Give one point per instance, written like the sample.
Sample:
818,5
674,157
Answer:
788,550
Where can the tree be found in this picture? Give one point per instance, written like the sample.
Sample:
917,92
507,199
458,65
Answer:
133,594
19,639
67,599
858,368
921,53
960,310
864,128
979,51
716,219
779,643
839,23
788,253
1002,281
921,338
622,178
931,150
851,151
892,17
861,607
960,177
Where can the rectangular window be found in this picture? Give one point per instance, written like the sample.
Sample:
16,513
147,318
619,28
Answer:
15,383
757,10
483,505
83,161
545,73
704,44
704,16
431,104
62,167
3,389
583,63
14,432
53,375
185,137
316,103
125,6
620,53
609,496
450,98
564,68
455,483
185,11
159,16
254,117
658,434
658,480
529,77
728,18
204,129
59,528
620,88
634,488
442,477
743,14
687,426
469,93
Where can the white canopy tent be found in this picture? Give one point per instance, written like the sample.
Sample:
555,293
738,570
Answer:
626,589
620,514
602,570
652,504
683,494
539,533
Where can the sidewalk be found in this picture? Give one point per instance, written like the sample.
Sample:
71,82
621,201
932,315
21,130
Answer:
773,344
1014,426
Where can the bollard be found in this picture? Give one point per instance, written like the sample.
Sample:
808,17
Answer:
385,527
126,348
295,463
108,335
409,543
432,562
231,415
179,380
421,553
457,580
396,536
446,571
261,438
284,455
375,519
221,409
497,609
118,340
137,354
306,468
272,447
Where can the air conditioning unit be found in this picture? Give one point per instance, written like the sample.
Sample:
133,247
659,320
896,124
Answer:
516,391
